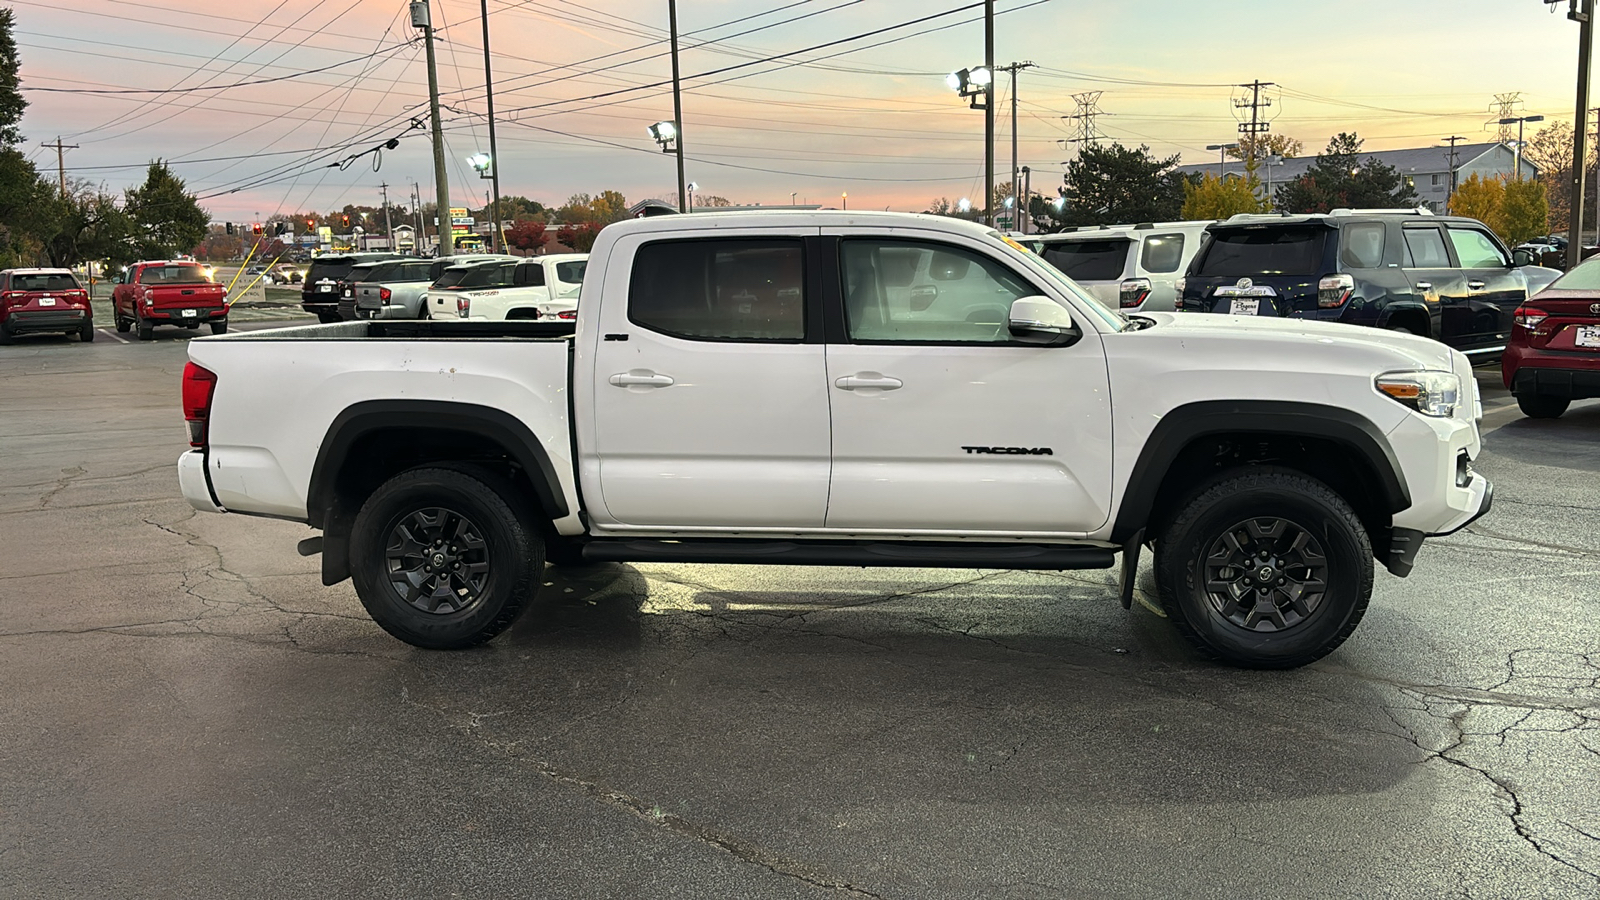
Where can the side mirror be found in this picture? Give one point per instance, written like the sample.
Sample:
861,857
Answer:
1520,258
1042,321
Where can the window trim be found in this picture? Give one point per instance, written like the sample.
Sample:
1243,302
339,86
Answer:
809,299
839,324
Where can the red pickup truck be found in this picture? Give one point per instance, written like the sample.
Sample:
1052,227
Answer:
168,293
43,300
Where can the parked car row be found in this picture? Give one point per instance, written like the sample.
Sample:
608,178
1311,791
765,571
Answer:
478,286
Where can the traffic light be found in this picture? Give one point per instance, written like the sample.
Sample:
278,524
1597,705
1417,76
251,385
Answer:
230,228
347,220
256,228
311,223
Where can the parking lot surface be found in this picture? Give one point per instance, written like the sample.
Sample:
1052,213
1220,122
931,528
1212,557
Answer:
190,713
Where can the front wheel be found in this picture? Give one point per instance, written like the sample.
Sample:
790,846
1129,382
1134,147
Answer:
441,560
1542,406
1267,569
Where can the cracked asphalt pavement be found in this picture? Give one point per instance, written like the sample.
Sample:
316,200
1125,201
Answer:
188,712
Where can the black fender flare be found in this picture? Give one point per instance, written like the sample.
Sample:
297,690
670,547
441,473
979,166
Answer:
1185,424
372,415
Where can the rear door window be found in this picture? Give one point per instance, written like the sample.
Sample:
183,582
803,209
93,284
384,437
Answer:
1161,253
1089,260
1281,250
571,272
728,290
1425,249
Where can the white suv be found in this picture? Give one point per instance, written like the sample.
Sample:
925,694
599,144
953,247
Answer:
1133,267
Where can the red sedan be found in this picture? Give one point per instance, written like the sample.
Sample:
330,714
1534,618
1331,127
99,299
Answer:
1554,354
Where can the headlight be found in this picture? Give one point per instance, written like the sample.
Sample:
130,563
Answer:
1430,393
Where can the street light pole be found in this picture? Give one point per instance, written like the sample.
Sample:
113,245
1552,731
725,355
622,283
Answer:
677,104
498,243
421,17
988,111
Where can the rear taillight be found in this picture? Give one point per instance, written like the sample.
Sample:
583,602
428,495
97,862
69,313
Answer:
463,306
567,314
13,297
1334,291
1529,317
198,386
1133,292
384,294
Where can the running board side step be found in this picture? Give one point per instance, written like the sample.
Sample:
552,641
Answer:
852,553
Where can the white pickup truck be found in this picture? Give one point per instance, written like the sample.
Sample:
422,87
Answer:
845,388
544,287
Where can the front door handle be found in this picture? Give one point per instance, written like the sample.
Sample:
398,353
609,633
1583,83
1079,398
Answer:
1424,285
868,381
641,378
1475,285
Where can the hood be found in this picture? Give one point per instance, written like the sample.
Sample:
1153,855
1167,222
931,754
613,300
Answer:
1313,339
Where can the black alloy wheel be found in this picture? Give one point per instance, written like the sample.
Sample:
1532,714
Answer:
438,561
1266,574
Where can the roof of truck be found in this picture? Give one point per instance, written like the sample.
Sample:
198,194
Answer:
821,218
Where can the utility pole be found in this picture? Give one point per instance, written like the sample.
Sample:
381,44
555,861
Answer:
677,105
1016,179
61,162
1582,12
1027,196
494,154
988,111
1452,140
1255,126
388,228
421,17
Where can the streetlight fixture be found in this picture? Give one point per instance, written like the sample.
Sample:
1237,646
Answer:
1517,151
481,162
964,205
977,86
1222,157
665,134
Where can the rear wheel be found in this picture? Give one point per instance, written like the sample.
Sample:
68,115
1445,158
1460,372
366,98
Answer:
86,332
5,333
147,329
441,560
1542,406
1265,570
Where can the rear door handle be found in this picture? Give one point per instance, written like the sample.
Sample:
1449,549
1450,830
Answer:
1475,285
1424,285
641,379
868,380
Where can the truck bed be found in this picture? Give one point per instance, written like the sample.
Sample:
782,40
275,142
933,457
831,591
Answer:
415,330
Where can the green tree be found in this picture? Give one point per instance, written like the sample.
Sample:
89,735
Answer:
609,207
1340,178
1525,211
26,206
1482,199
88,224
11,102
166,218
1219,198
1118,185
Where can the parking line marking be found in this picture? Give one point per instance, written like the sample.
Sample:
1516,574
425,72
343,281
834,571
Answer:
113,335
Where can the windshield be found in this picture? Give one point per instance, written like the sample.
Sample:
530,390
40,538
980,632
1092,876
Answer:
181,274
1586,277
1088,260
571,272
1116,321
44,281
1280,250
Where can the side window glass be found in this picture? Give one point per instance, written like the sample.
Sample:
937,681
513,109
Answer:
535,274
1425,249
917,291
1162,253
1475,250
733,290
1361,245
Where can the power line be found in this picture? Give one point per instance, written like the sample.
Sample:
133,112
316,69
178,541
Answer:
222,87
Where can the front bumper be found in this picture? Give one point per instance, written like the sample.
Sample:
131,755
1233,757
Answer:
193,482
26,321
1406,543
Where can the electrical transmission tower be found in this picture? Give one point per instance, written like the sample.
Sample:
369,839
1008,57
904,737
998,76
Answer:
1506,106
1088,108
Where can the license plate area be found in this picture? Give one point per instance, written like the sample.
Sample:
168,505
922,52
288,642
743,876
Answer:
1587,336
189,313
47,301
1244,306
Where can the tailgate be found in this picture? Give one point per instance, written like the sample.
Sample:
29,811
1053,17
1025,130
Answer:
369,296
186,296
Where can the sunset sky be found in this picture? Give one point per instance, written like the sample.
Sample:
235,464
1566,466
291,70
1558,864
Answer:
870,116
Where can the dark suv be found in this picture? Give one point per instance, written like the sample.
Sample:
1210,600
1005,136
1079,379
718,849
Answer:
323,285
1444,277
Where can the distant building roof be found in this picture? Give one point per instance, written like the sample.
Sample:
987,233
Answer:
1414,161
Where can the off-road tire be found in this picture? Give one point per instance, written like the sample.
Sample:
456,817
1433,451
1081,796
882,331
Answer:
1542,406
218,327
147,330
512,547
1264,495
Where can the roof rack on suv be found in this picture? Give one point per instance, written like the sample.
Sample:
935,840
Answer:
1257,217
1414,211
